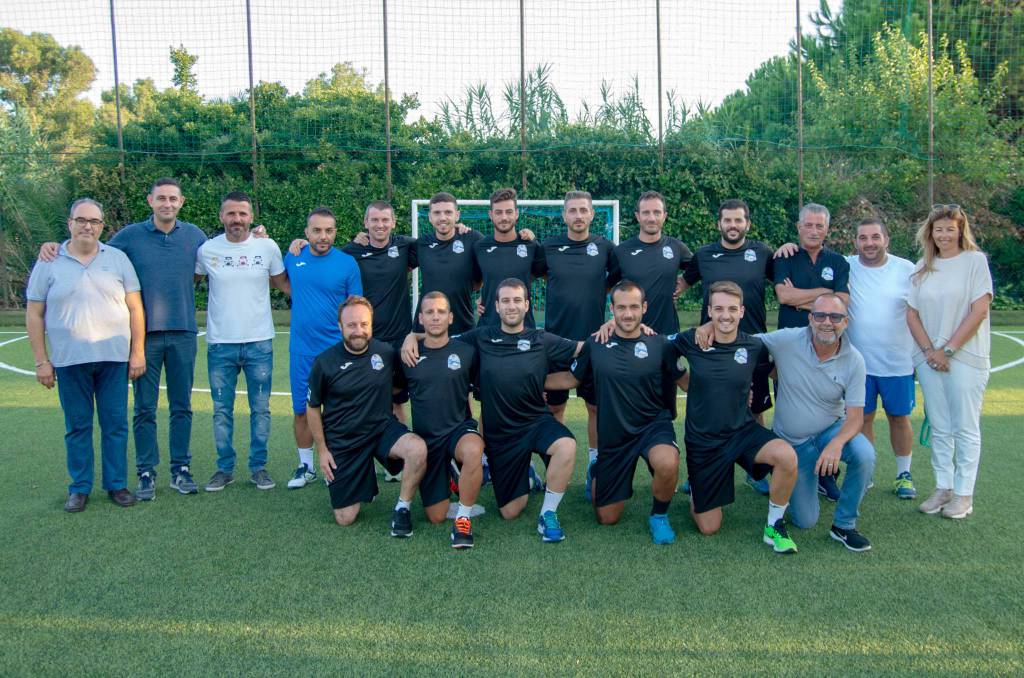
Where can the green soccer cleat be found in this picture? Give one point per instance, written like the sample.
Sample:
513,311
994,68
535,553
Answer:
777,536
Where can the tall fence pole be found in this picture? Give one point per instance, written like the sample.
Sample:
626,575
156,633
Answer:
387,106
661,117
252,99
799,110
522,87
931,109
117,107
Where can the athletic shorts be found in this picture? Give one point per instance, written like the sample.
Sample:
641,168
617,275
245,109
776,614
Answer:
710,471
298,374
585,391
898,397
403,395
614,470
509,460
355,479
434,487
759,386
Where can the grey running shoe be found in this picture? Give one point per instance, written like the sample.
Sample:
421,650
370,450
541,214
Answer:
934,503
960,507
183,482
262,480
219,481
146,491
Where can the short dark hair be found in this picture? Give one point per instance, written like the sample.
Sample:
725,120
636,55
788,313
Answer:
651,195
443,197
734,204
870,221
321,211
512,282
578,195
436,294
378,205
725,287
503,194
236,196
355,300
627,286
165,181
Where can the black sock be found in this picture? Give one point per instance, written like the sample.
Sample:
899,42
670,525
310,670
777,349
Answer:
659,507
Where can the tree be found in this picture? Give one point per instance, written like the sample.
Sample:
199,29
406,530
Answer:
183,62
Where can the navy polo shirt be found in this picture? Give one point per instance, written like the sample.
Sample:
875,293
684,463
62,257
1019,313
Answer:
830,271
165,264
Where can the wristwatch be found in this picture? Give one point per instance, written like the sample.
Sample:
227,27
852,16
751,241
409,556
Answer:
948,351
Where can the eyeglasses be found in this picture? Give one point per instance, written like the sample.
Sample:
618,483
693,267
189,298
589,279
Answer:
820,316
951,207
82,221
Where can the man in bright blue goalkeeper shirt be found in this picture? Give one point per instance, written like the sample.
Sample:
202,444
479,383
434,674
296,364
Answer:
322,278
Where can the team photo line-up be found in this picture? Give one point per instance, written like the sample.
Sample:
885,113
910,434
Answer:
851,330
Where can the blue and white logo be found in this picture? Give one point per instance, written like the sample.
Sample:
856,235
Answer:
393,251
523,344
740,356
376,362
453,362
573,366
458,247
640,350
592,250
521,251
827,273
666,252
750,255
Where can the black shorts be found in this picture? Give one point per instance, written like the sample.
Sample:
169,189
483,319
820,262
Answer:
762,394
509,459
614,470
584,390
355,479
403,395
434,487
710,471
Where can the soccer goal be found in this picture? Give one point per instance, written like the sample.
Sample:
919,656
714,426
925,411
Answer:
543,217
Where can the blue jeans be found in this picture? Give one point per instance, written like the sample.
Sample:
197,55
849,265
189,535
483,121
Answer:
859,457
177,352
224,362
80,387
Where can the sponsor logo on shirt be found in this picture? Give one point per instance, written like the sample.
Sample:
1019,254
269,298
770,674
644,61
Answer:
523,344
740,356
750,255
345,366
376,362
521,251
496,341
563,248
420,359
453,362
715,256
491,249
573,366
666,252
591,250
827,273
640,350
611,344
433,245
299,263
458,247
635,252
672,337
366,254
393,251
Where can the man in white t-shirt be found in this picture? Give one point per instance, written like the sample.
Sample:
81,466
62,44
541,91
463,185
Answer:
240,333
879,285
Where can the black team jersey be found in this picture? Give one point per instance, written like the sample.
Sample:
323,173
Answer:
512,372
717,402
447,266
831,271
439,388
496,261
385,275
354,392
577,284
748,266
653,266
635,384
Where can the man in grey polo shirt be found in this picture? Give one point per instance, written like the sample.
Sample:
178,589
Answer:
820,411
87,300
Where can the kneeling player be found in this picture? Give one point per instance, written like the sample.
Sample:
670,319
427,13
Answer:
720,429
633,378
350,417
439,386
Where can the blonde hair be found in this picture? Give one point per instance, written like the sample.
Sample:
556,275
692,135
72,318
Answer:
929,250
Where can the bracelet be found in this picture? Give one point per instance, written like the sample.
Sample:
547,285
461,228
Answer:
38,365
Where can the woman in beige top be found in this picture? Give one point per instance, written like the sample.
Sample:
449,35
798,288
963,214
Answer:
947,313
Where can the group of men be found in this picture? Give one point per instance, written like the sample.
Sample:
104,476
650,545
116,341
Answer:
356,356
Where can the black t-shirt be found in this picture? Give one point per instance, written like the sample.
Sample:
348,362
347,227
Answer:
748,266
495,261
512,372
385,275
653,266
831,271
635,384
439,388
447,266
577,278
354,392
718,400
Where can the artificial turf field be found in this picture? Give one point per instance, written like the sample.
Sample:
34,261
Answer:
251,582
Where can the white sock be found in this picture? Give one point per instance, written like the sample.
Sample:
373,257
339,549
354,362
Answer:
403,504
306,457
464,511
903,464
775,512
592,454
551,501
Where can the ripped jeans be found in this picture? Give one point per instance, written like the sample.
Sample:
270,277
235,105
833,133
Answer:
224,362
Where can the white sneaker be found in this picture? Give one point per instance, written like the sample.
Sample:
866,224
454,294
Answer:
303,476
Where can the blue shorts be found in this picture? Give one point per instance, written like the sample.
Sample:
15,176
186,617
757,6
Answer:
897,395
298,374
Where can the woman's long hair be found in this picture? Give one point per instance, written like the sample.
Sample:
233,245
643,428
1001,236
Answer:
929,250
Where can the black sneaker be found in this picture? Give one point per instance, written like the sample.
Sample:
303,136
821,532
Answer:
401,523
828,488
851,539
462,534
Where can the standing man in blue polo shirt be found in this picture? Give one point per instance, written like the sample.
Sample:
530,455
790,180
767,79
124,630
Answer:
163,250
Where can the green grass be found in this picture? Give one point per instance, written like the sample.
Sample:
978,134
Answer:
250,582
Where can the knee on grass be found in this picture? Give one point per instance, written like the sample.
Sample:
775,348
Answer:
346,516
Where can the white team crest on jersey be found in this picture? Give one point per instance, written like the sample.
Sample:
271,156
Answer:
740,356
523,344
592,250
666,252
376,362
458,247
521,251
640,350
453,362
393,251
827,273
750,255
